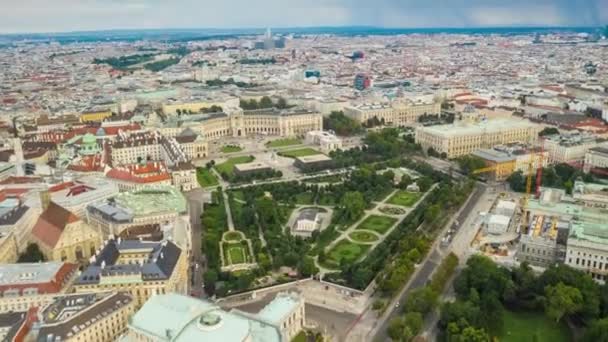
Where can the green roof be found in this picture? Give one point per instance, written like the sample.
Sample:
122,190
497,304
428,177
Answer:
153,200
568,209
173,317
593,232
282,305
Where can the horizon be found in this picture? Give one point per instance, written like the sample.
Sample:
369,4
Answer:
64,16
241,30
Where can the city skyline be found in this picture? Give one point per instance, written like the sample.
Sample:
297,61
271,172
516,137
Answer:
30,16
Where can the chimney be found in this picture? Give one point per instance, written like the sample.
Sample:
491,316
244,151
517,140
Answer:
45,198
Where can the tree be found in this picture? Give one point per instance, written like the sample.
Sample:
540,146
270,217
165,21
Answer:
597,331
471,334
413,321
548,131
562,300
341,124
32,254
307,267
421,300
395,328
210,278
266,102
281,103
468,164
352,205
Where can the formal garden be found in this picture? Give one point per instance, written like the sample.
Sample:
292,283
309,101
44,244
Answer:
357,245
404,198
377,223
363,237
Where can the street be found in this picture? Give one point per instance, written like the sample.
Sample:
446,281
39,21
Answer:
424,272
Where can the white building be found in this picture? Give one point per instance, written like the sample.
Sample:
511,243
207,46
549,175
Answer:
498,224
326,141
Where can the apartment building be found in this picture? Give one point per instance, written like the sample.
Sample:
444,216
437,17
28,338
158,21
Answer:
141,268
33,284
463,138
94,317
596,158
573,147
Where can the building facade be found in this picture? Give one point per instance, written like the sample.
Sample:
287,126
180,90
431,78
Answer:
95,317
462,139
396,113
141,268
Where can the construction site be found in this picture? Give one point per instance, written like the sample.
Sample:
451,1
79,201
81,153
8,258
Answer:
544,226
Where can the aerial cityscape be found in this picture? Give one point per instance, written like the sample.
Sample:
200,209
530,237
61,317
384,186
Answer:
410,173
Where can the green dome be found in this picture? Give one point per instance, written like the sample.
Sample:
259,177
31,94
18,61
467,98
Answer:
89,139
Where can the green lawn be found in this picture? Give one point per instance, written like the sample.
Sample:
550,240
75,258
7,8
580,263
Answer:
205,177
377,223
531,326
237,252
301,337
284,142
232,236
344,249
363,237
239,195
304,198
405,198
227,167
231,149
302,152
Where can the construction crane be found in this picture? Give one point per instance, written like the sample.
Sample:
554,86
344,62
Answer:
539,174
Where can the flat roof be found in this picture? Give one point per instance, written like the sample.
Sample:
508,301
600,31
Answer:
493,155
29,273
256,165
313,158
488,126
152,200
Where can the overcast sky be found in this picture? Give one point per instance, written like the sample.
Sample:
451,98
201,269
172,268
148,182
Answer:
73,15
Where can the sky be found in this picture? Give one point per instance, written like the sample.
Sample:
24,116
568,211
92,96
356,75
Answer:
77,15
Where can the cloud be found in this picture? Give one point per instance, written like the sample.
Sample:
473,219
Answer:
70,15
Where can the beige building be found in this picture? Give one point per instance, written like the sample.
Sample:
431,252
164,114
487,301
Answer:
272,121
8,248
141,268
89,317
570,148
397,113
63,236
26,285
463,138
596,158
196,106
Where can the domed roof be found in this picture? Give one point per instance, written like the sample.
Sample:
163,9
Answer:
89,139
100,132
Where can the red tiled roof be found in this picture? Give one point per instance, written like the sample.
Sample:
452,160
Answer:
149,173
21,180
63,275
52,222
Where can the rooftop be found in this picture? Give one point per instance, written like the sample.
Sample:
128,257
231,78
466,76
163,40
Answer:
32,273
173,317
488,126
159,264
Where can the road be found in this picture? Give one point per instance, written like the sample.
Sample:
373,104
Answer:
197,261
424,272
